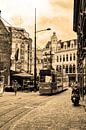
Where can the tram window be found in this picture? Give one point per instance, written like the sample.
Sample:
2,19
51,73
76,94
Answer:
48,79
42,79
1,79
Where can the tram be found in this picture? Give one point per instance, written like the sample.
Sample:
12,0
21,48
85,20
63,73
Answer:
50,82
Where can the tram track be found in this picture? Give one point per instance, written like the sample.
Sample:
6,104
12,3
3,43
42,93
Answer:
11,115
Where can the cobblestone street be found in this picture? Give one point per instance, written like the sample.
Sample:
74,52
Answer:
30,111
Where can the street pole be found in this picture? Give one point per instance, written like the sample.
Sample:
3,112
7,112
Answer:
51,56
35,87
35,69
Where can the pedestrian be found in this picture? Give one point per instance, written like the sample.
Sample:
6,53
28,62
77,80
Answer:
75,88
15,87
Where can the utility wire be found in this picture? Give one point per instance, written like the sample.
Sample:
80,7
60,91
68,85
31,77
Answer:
6,21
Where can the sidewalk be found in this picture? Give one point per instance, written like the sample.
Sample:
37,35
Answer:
83,102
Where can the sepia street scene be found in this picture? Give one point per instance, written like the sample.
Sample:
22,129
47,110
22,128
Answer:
42,65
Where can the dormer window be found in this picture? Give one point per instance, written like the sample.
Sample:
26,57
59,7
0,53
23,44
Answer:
71,45
65,46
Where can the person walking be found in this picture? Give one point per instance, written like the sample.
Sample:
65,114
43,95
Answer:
15,87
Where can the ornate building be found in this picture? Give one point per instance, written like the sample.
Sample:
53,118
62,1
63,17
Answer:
21,57
5,52
79,26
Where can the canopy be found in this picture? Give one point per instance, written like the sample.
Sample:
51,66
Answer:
23,75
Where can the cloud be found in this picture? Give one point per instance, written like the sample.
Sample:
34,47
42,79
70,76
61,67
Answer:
16,20
56,14
62,25
66,4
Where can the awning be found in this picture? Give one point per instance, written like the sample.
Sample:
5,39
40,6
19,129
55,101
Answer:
23,75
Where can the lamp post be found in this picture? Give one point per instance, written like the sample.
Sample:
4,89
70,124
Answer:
35,70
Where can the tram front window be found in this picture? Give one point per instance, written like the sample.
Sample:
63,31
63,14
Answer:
48,79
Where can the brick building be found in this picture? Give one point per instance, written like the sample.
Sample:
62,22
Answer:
5,52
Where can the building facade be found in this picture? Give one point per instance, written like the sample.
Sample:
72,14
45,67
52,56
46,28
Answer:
79,26
5,53
62,56
49,52
66,59
21,56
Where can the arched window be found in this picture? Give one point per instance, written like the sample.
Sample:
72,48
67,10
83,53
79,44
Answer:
70,69
65,46
73,56
63,58
70,57
73,68
57,59
57,68
60,58
66,57
72,45
60,68
66,68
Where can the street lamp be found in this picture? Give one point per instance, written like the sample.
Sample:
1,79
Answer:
35,70
43,30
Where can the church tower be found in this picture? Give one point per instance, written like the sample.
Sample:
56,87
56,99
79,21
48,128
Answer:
54,41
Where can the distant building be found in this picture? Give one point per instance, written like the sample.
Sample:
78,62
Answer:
5,52
21,57
62,56
49,52
39,55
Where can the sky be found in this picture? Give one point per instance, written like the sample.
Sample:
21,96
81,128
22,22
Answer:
54,14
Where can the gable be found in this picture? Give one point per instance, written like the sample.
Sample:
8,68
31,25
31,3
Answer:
3,29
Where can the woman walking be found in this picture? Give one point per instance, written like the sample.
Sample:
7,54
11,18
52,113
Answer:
15,87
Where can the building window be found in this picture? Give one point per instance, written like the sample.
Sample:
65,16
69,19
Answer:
63,57
57,59
60,68
57,68
72,45
75,43
68,44
65,46
70,69
66,68
74,56
67,57
60,58
73,68
63,66
70,57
